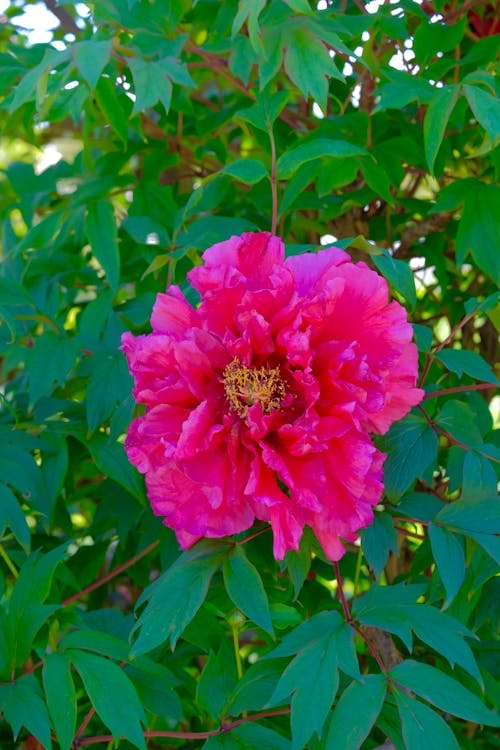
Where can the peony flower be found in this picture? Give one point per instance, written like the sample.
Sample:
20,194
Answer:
260,402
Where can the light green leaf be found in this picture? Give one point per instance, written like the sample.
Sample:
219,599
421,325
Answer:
90,58
319,148
362,700
116,109
443,692
248,171
307,64
244,586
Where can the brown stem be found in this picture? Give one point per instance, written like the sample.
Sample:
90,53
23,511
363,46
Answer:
350,621
459,389
189,735
109,576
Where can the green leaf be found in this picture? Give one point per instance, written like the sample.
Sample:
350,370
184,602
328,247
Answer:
479,477
248,171
90,58
249,10
460,421
102,678
61,698
263,114
319,148
177,595
423,729
463,361
248,736
481,515
255,688
399,274
479,231
377,540
26,89
50,361
307,64
12,514
116,109
217,680
244,586
346,734
111,459
312,679
436,118
315,628
449,554
101,232
411,446
486,109
443,692
393,608
22,705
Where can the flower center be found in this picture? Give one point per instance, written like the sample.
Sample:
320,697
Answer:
246,386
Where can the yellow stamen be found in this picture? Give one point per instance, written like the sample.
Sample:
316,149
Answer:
246,386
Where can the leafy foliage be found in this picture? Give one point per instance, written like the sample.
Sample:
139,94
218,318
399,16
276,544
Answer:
137,136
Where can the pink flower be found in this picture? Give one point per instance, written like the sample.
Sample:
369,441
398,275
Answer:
260,402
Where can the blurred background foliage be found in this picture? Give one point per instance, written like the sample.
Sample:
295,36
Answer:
133,135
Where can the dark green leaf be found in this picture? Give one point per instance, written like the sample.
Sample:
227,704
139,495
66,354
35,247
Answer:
22,704
346,734
217,680
448,551
480,515
176,597
377,540
436,118
12,514
411,445
463,361
312,680
400,275
423,729
255,688
101,231
244,586
443,692
61,698
486,109
102,678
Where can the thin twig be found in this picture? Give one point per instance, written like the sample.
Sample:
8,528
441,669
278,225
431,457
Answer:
189,735
109,576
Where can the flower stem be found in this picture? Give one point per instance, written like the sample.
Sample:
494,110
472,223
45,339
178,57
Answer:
236,646
274,184
459,389
8,561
